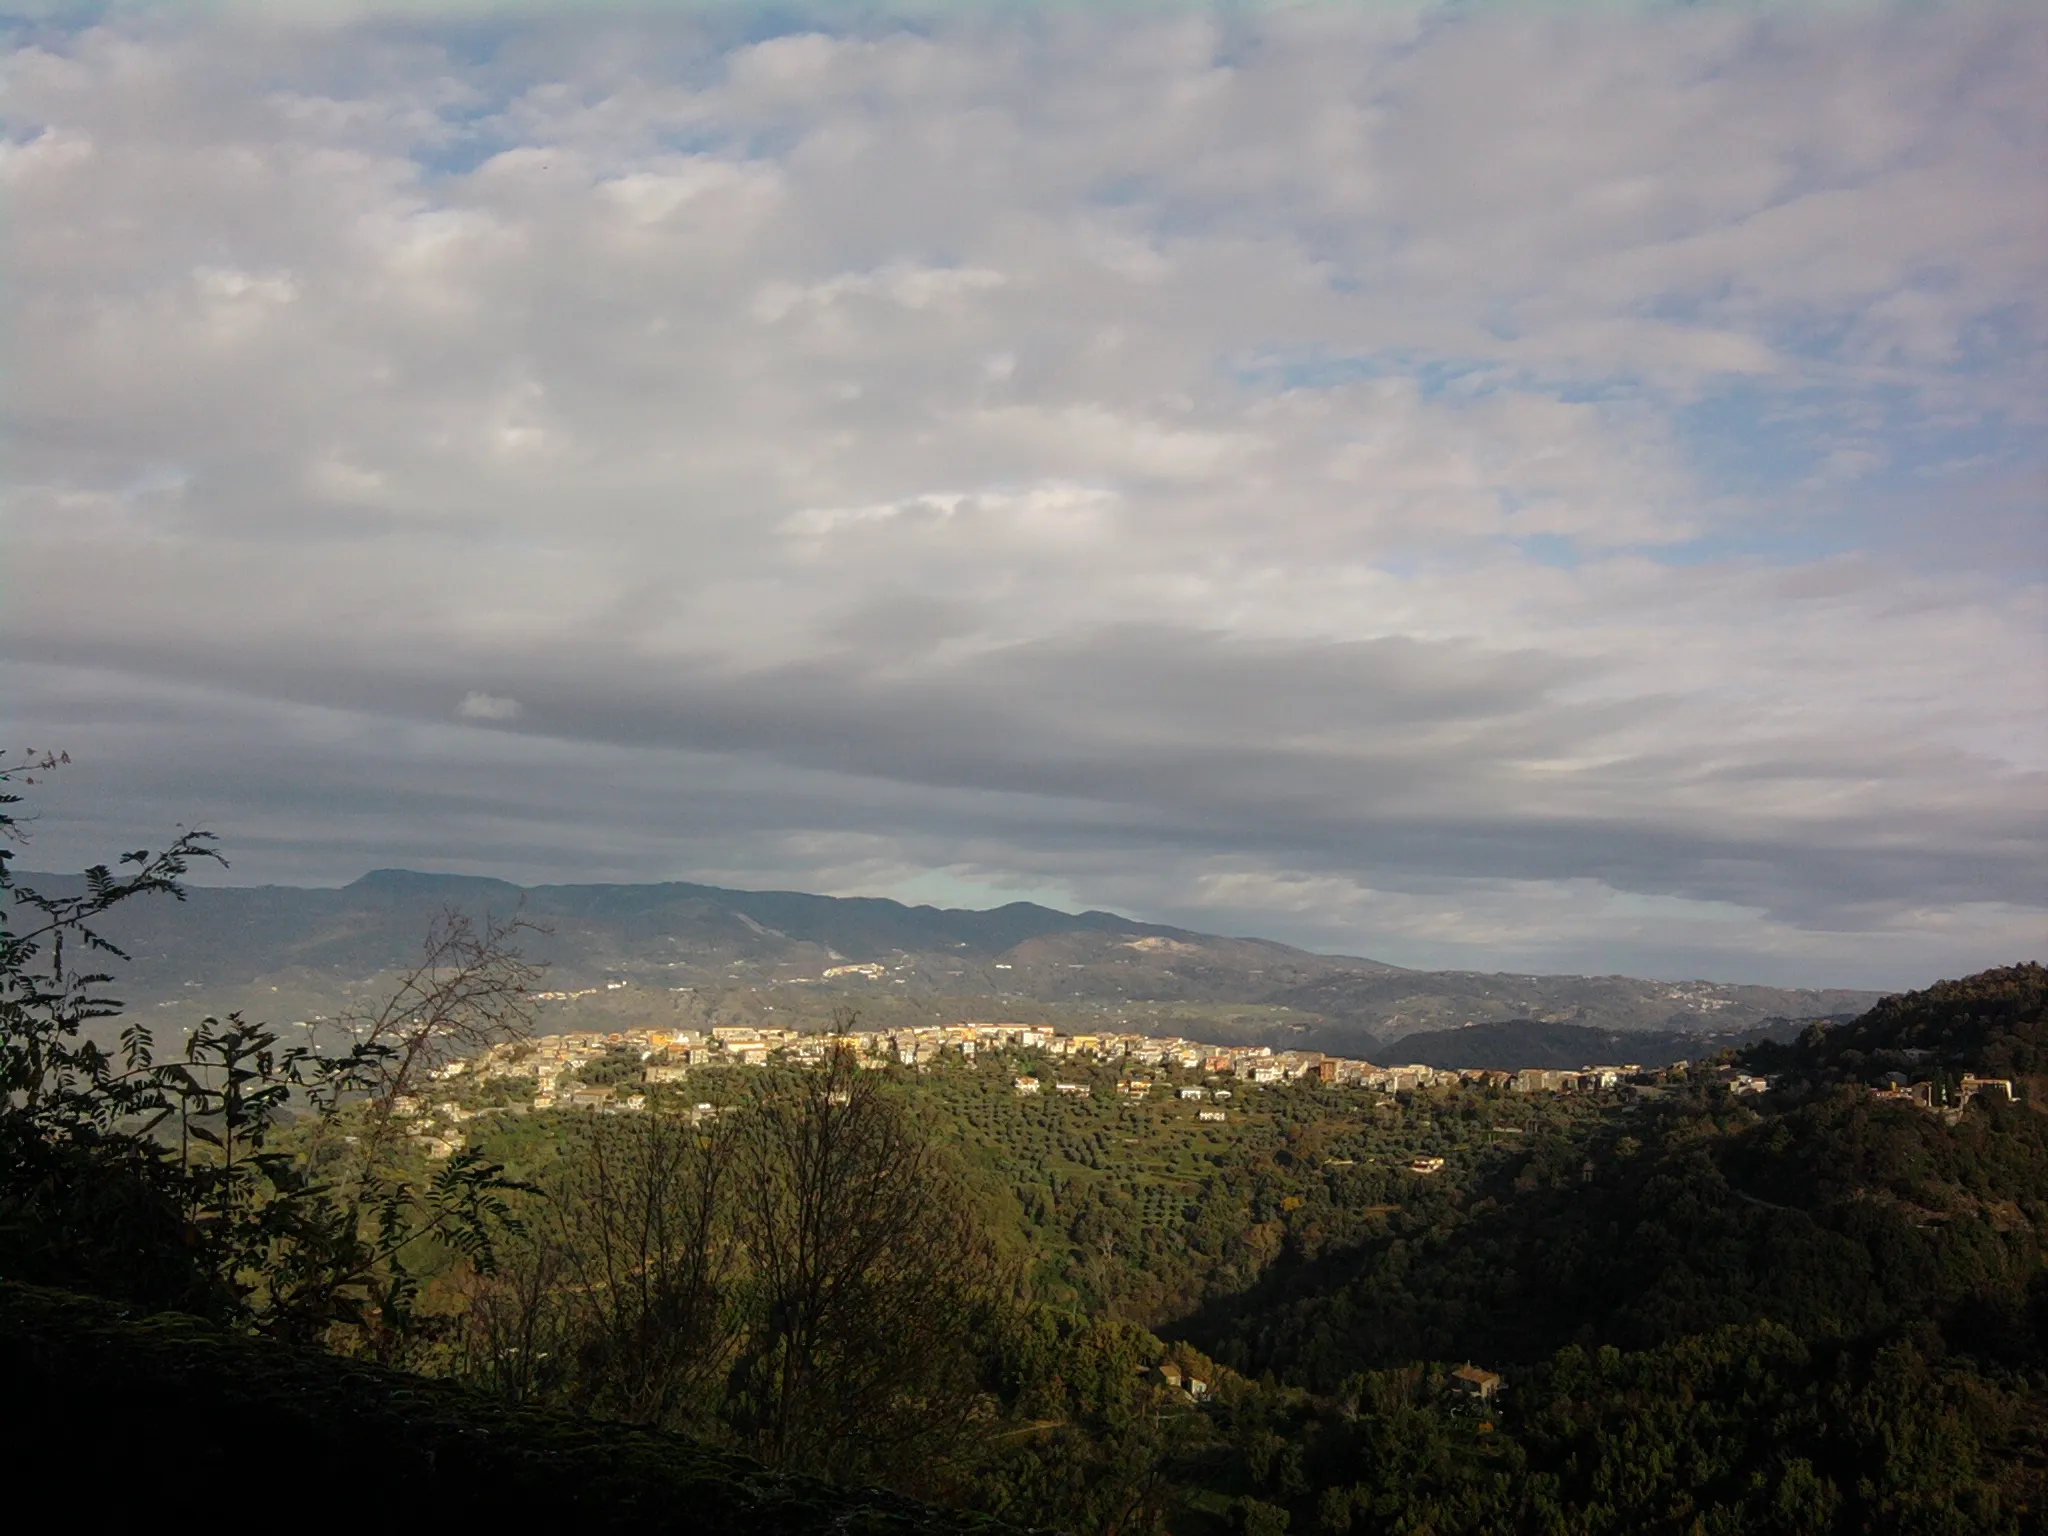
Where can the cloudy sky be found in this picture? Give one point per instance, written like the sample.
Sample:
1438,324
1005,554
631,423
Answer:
1536,488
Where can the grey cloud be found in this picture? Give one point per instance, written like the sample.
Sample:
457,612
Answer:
1389,756
317,793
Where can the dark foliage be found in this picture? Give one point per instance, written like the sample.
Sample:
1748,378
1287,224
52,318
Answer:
1994,1024
1514,1044
1843,1216
188,1406
158,1182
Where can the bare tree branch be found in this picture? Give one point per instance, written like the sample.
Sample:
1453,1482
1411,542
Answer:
470,989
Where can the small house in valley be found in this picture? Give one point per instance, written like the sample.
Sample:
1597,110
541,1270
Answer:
1471,1382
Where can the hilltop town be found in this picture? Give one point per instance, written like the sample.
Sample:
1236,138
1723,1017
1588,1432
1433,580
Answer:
670,1055
1190,1070
658,1062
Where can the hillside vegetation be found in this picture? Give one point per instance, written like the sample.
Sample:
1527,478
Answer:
194,1405
1990,1024
1662,1306
1512,1044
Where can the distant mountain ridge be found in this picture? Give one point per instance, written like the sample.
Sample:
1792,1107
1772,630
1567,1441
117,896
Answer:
288,946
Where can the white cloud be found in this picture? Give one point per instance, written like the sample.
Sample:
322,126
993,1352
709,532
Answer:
1334,451
488,706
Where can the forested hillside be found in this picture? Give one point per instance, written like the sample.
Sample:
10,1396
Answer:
191,1406
1770,1292
1512,1044
1991,1024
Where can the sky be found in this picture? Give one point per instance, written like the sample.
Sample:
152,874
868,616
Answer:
1543,488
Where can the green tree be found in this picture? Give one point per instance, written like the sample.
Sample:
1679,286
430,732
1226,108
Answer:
160,1183
867,1274
621,1294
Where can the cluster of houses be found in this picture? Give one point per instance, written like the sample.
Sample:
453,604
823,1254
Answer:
1948,1101
434,1126
670,1056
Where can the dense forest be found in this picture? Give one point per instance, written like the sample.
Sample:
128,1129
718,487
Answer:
1658,1307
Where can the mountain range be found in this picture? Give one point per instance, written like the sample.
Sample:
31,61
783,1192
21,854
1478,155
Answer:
305,952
